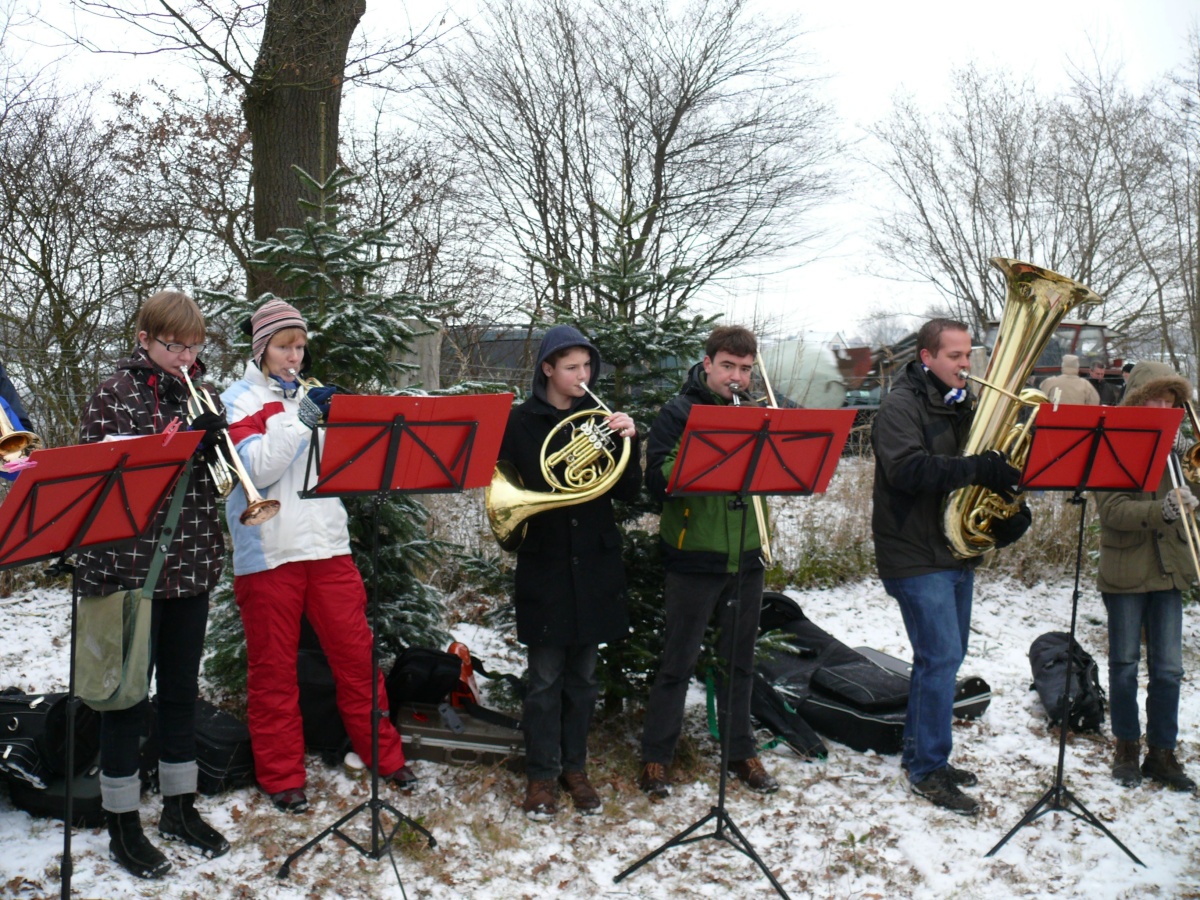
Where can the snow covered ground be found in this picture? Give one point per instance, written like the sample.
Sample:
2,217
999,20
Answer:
843,828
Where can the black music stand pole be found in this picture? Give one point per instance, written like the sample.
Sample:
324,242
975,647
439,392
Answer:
1092,451
375,806
375,446
776,451
86,497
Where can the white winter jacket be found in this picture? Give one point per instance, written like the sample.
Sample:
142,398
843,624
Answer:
273,445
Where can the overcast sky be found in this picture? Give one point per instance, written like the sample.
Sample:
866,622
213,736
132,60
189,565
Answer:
869,49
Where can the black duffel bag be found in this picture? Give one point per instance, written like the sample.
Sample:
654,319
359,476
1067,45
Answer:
33,736
1048,659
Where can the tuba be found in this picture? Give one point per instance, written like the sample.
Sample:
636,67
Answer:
1037,302
586,467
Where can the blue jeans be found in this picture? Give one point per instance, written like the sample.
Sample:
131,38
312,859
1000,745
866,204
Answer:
558,709
937,616
1161,613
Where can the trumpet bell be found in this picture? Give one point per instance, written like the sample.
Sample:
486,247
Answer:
259,511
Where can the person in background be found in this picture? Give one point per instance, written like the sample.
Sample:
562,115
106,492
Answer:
700,540
1108,392
144,396
13,407
918,436
1073,387
295,564
1145,565
1125,370
570,579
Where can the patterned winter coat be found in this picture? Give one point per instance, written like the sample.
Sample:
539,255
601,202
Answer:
142,399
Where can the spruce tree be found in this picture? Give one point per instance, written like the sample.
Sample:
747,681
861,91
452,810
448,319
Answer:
357,334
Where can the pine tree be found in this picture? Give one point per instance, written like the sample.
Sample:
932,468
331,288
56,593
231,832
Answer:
357,334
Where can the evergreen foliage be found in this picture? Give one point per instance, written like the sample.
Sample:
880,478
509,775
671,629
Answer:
356,335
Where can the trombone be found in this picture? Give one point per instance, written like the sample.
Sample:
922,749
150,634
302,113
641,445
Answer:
1187,516
257,509
760,512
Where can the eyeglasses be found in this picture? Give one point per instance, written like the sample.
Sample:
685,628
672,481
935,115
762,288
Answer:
179,348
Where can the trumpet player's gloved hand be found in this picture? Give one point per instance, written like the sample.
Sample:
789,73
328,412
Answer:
315,405
212,424
993,472
1008,531
1170,504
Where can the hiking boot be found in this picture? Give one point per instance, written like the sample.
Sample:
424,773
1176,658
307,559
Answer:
1161,766
180,822
404,778
541,802
938,789
129,847
293,800
583,795
957,776
653,781
1125,763
754,775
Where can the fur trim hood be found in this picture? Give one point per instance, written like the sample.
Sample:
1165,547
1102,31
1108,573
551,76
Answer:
1150,380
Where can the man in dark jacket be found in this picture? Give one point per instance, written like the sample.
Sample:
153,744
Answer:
700,538
917,436
570,580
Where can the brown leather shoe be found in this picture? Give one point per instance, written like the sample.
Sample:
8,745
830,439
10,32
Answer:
583,795
653,781
754,775
541,800
1125,763
1162,766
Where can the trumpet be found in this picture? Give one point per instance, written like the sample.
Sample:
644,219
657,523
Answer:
14,443
307,383
258,510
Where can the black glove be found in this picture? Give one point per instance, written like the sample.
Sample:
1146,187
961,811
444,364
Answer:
993,472
315,405
212,424
1007,531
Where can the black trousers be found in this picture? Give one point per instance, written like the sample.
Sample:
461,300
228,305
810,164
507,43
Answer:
177,627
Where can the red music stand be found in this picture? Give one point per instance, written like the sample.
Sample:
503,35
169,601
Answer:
1091,448
87,497
749,451
378,446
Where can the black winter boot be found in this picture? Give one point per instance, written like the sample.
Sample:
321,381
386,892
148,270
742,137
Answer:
181,822
1125,763
130,848
1161,766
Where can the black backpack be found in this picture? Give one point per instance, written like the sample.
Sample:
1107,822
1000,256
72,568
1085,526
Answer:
1048,659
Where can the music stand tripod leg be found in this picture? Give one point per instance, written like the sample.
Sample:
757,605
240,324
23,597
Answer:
718,812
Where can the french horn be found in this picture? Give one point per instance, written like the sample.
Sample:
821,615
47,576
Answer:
584,468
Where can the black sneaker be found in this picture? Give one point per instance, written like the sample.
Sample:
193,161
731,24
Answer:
938,788
181,822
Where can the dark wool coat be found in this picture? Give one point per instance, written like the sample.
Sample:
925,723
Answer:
917,439
141,399
570,581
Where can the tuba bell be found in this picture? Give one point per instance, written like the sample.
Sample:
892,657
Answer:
1037,301
586,467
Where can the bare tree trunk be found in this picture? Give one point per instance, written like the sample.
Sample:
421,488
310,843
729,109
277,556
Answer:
292,107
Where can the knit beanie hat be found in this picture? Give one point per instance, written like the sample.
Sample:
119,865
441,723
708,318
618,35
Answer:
268,320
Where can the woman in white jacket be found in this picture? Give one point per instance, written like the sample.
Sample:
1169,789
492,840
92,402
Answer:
296,563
